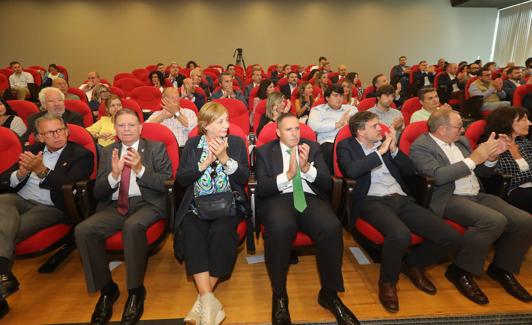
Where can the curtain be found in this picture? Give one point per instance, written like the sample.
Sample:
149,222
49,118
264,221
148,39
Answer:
513,41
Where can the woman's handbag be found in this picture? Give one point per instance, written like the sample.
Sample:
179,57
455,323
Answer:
215,206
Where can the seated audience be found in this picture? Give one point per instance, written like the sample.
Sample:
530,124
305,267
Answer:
188,91
9,119
517,160
390,116
179,120
104,129
292,185
473,69
160,67
428,97
52,101
381,198
401,73
226,89
131,196
291,85
450,83
156,79
327,119
50,75
37,200
322,81
514,80
175,78
62,85
93,80
304,101
381,80
214,164
100,94
490,90
348,93
19,80
275,106
191,65
256,77
232,71
196,76
423,77
266,87
446,156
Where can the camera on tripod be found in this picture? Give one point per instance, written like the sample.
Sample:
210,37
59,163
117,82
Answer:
239,57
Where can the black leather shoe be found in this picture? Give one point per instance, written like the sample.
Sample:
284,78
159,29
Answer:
464,282
134,307
509,282
343,315
8,285
104,308
280,313
4,308
388,296
418,278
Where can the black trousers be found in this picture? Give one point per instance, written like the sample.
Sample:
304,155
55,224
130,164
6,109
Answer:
396,217
521,198
281,222
327,151
210,246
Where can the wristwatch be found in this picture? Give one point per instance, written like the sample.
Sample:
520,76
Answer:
230,163
44,173
177,114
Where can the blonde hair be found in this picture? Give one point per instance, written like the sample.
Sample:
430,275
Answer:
109,100
208,114
275,98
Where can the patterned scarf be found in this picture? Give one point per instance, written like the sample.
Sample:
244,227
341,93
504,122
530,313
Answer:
214,179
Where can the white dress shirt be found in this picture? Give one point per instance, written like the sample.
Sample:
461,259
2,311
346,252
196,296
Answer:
284,185
134,189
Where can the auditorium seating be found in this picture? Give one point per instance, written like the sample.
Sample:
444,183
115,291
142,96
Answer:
148,97
23,108
410,106
78,92
81,108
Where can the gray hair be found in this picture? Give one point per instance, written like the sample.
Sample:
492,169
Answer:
439,118
44,91
48,117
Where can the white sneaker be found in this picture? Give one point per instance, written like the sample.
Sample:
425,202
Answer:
194,315
212,312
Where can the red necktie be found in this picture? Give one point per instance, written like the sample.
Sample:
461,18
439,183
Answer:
123,192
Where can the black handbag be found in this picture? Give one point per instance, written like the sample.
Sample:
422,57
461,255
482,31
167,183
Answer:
215,206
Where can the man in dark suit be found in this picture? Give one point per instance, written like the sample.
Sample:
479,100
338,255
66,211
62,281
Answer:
290,86
256,77
423,77
450,83
37,201
226,89
53,101
514,80
292,181
131,196
381,198
458,195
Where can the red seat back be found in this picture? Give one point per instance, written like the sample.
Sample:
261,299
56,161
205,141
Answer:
123,75
63,70
159,132
520,92
238,113
437,80
410,134
82,137
259,111
468,83
409,107
368,90
10,148
128,84
185,103
23,108
78,92
37,78
140,73
268,133
82,108
474,131
148,97
117,91
366,104
233,130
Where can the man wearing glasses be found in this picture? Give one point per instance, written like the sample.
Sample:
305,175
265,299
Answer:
490,90
458,195
52,101
36,199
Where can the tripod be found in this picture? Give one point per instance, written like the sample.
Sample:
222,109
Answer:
239,58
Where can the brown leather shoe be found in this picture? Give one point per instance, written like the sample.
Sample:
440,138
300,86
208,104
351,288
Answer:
418,278
388,296
465,283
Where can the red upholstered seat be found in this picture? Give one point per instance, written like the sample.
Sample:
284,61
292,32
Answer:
366,104
4,83
409,107
37,78
63,70
78,92
185,103
82,108
140,73
238,113
474,131
368,90
259,111
23,108
520,92
410,134
126,103
123,75
155,232
117,91
10,148
148,97
128,84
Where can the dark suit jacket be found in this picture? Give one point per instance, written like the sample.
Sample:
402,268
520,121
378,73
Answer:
238,95
419,80
445,87
354,164
285,89
74,164
270,164
188,172
69,117
158,169
509,88
430,160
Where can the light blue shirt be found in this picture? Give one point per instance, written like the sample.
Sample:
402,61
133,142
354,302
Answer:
322,120
31,190
382,181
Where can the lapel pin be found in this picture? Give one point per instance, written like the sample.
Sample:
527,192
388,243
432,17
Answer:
65,163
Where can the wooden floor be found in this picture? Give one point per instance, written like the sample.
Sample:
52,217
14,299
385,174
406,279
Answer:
61,297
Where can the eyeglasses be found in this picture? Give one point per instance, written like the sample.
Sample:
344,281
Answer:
456,127
213,172
51,134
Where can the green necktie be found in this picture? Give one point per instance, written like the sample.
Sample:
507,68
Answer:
297,185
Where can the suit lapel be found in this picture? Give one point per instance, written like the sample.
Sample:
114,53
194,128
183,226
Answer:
439,150
277,158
